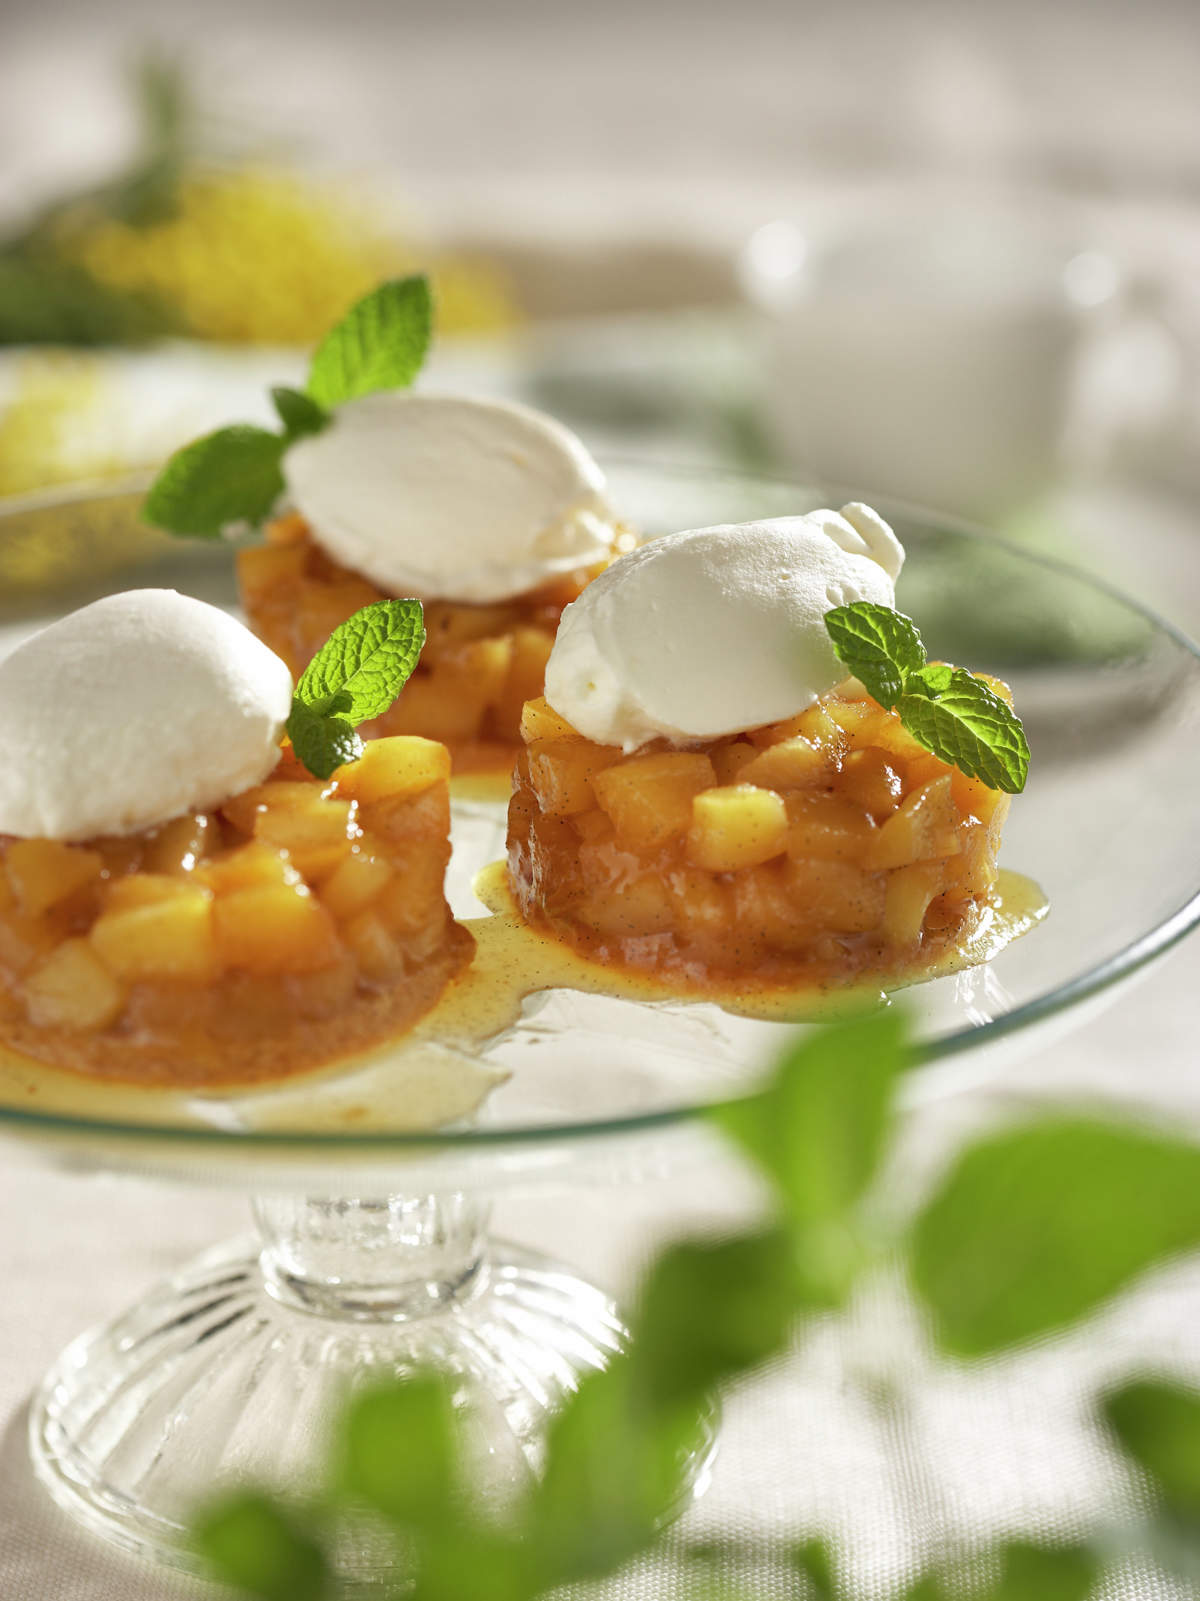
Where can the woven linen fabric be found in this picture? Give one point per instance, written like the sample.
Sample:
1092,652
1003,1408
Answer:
861,1433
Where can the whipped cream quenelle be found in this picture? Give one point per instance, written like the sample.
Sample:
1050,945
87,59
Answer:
132,711
706,633
450,498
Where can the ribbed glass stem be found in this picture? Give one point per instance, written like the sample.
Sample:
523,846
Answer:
372,1261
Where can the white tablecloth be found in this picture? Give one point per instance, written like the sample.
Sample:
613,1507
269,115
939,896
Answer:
978,1452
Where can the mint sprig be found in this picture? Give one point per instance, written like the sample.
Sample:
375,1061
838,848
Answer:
355,676
298,412
379,344
235,476
226,478
950,711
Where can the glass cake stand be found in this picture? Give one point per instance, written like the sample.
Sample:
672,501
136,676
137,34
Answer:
371,1252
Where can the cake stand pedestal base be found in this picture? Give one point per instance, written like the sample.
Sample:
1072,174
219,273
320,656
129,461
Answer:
235,1370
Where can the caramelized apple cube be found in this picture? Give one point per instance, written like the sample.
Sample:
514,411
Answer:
909,893
735,827
441,701
703,909
791,764
415,897
974,868
249,867
355,882
924,769
380,956
729,760
262,568
527,671
424,817
973,798
179,846
858,718
649,799
593,826
145,889
539,720
315,833
170,938
243,810
273,928
73,989
776,733
925,828
487,663
892,736
819,728
320,608
449,623
43,872
871,780
837,896
997,686
630,910
23,941
826,828
561,772
853,689
401,765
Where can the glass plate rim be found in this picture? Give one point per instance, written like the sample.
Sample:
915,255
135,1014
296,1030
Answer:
1121,965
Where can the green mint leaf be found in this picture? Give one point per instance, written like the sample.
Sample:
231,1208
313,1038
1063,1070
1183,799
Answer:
614,1469
379,344
968,725
1158,1424
813,1559
928,1587
1036,1227
711,1309
398,1451
366,661
356,675
953,713
252,1544
298,412
1031,1572
322,739
819,1128
879,646
229,477
473,1560
933,680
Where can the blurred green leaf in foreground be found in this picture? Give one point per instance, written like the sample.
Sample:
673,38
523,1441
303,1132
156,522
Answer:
1028,1231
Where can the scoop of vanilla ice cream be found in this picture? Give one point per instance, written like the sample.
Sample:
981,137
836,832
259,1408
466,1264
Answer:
450,498
132,711
710,632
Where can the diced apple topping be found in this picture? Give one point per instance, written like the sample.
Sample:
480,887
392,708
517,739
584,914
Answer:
168,938
831,838
562,772
43,872
389,769
735,827
72,989
481,666
200,924
648,799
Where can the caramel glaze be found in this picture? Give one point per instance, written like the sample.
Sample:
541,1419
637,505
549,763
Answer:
515,959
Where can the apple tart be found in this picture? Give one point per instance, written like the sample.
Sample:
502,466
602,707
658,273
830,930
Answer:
817,847
297,922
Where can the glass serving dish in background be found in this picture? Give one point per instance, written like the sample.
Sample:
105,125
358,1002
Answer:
371,1250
